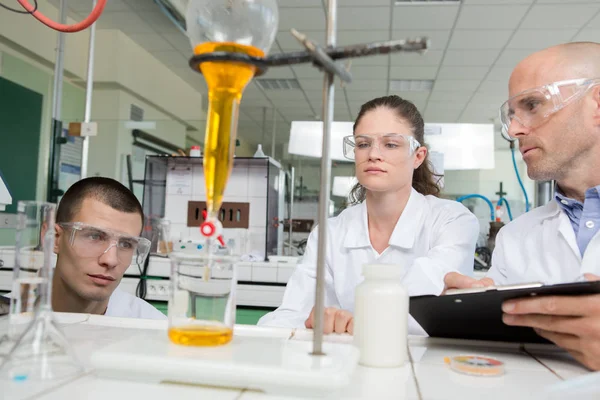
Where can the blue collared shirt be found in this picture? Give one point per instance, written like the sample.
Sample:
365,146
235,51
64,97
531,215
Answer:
584,217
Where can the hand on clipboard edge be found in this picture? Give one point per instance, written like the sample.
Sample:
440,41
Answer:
455,281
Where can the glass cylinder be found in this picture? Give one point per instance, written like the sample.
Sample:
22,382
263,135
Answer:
202,298
32,284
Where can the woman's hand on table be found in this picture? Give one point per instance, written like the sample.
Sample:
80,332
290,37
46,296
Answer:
334,321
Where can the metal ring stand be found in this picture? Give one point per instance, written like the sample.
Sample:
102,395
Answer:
324,59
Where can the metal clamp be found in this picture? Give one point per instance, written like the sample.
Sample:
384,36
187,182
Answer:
321,57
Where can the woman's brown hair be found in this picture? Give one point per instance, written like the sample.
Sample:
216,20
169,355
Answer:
424,181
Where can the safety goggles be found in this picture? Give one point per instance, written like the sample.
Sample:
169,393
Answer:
92,242
388,145
531,107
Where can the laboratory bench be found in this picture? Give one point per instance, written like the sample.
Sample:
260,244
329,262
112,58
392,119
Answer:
531,371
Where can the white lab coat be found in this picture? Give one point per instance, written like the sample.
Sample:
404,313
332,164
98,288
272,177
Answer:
123,304
541,246
431,238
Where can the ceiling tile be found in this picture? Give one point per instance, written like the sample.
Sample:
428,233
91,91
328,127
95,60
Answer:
455,85
488,99
413,72
307,71
439,96
594,23
437,38
288,42
278,73
497,87
345,38
588,35
445,105
429,58
499,73
490,16
439,116
479,39
450,72
302,19
424,17
540,39
511,57
381,60
127,22
151,41
274,95
470,57
559,16
363,18
416,97
369,72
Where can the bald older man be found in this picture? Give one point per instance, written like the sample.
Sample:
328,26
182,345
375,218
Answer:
554,111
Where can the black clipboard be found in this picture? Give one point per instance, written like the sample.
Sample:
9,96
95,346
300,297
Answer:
478,316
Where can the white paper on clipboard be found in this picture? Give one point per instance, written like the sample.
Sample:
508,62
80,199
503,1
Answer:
179,180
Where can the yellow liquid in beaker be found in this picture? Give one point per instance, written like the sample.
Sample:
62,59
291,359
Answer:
226,82
200,335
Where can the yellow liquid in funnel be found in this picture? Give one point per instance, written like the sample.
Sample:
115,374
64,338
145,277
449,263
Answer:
226,82
200,336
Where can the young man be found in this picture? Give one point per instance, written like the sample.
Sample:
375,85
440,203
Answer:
554,112
98,223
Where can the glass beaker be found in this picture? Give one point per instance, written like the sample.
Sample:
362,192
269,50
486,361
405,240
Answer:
233,26
202,299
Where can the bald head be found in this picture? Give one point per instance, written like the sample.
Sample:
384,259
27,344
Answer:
557,63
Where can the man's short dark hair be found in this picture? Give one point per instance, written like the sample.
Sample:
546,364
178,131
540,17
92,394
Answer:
106,190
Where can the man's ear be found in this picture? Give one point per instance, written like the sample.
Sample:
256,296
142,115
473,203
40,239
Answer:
58,233
596,103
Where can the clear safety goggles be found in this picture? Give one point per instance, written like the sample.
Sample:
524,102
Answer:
92,242
388,145
531,107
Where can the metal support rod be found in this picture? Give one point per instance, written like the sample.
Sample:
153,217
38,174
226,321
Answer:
89,86
274,133
56,130
328,97
264,126
291,211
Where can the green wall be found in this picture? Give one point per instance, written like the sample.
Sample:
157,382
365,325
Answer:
38,79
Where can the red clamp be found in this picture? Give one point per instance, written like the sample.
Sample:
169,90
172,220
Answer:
208,229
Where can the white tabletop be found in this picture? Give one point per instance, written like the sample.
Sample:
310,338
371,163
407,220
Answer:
530,370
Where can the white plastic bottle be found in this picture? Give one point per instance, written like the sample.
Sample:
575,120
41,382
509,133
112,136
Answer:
381,317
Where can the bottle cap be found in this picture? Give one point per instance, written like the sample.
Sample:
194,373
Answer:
195,147
382,271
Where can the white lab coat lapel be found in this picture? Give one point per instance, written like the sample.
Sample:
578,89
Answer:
566,231
407,227
358,236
